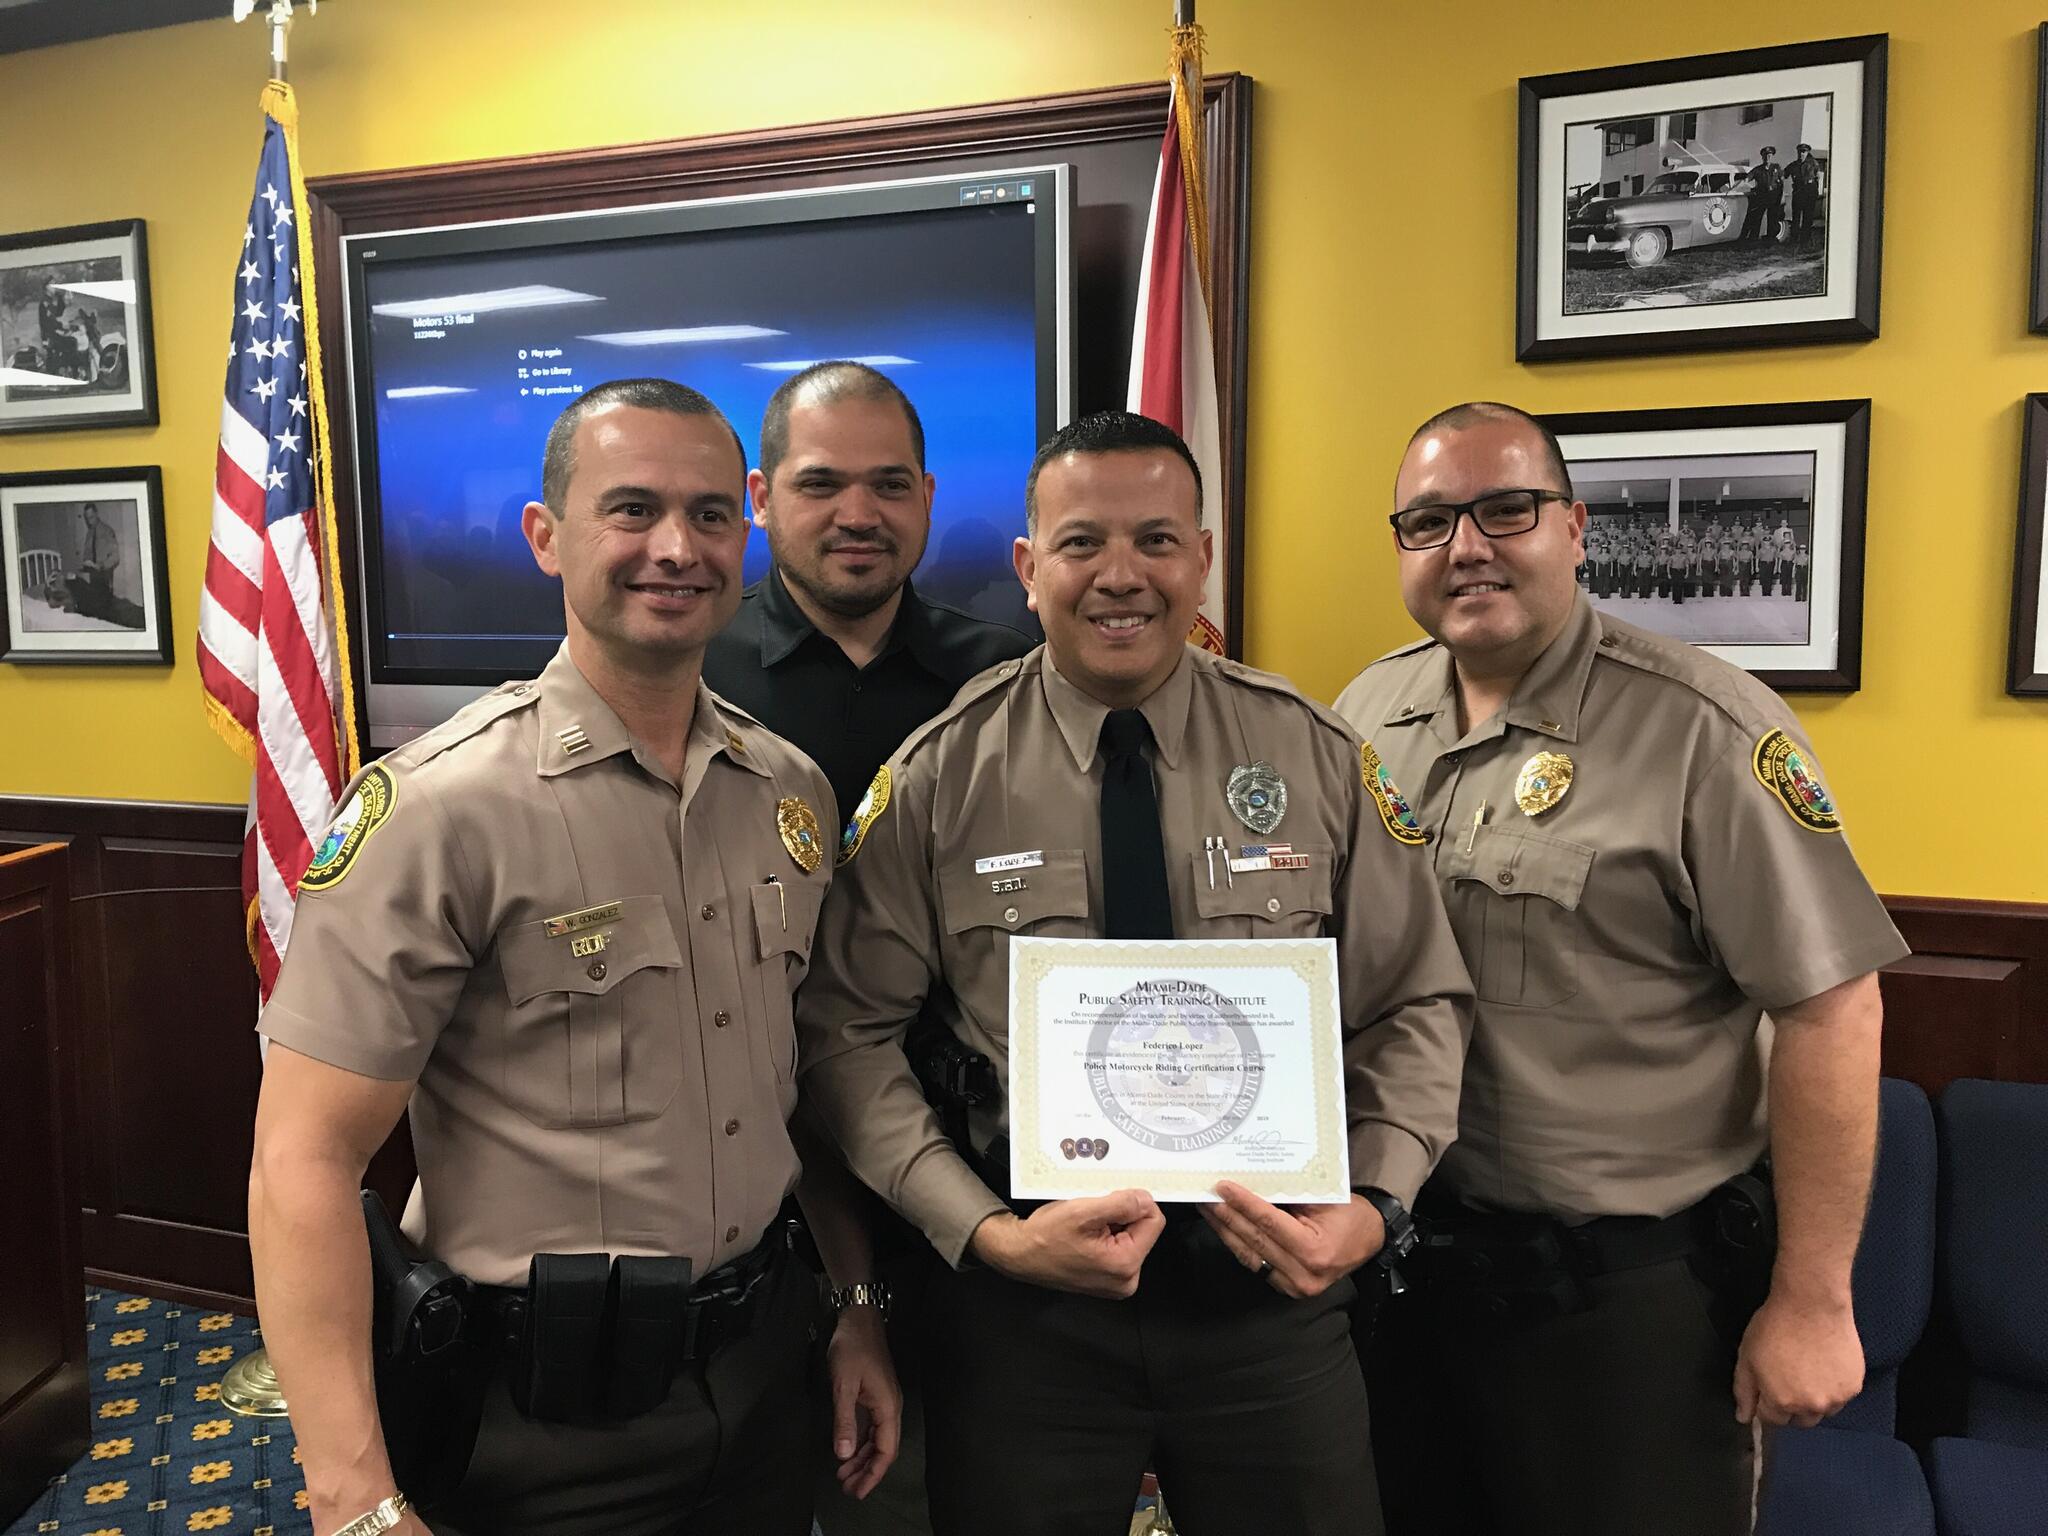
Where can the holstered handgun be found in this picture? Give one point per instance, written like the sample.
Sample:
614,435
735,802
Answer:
429,1373
955,1077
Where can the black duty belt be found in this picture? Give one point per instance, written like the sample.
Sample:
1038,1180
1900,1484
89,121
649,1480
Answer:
591,1337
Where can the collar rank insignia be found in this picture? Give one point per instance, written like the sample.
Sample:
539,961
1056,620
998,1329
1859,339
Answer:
1257,796
575,739
367,810
1783,770
1542,782
1395,813
865,815
798,825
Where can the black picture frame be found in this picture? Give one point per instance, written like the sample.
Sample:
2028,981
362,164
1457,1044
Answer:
2037,316
1537,329
121,339
2026,674
1843,671
85,627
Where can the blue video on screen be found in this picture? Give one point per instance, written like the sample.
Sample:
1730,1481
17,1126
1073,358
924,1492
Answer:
465,357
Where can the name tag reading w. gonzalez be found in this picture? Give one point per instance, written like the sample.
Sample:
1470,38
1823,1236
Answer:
1169,1064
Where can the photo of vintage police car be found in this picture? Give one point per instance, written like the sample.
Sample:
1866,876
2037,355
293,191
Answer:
1679,210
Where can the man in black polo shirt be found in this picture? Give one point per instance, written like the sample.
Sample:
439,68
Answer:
836,652
833,649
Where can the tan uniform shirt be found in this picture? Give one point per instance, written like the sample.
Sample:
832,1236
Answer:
1626,940
1013,767
626,1099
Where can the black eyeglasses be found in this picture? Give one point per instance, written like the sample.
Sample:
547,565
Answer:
1499,516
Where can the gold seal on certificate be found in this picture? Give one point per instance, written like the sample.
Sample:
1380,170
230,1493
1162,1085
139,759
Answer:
1167,1065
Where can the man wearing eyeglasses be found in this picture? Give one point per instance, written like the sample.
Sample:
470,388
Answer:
1639,859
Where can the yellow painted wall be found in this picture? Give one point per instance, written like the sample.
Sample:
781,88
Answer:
1383,287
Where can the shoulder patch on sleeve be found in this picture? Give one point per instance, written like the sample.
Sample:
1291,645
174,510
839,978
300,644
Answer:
364,812
1395,814
865,815
1781,769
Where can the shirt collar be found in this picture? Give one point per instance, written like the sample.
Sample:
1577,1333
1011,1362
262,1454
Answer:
1546,700
785,626
1080,715
577,727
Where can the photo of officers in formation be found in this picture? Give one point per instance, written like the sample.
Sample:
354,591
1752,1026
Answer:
689,957
1708,550
1741,554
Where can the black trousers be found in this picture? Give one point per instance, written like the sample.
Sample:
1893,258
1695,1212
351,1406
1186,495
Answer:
1045,1409
1616,1421
723,1456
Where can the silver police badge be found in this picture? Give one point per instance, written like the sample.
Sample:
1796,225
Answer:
1257,795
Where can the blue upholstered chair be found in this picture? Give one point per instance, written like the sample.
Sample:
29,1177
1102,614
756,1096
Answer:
1994,1237
1850,1474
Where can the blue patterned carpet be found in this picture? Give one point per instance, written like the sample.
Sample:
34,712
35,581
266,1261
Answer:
166,1458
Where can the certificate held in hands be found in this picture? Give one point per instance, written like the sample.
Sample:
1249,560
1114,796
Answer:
1169,1064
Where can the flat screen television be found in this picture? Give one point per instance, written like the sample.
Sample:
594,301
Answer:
466,341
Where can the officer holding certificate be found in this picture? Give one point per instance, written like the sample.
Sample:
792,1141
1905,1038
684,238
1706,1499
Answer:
1104,787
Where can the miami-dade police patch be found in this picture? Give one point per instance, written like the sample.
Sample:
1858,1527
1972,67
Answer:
367,810
1784,772
1395,814
865,815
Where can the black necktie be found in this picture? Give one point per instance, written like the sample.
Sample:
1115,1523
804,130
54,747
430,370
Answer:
1134,900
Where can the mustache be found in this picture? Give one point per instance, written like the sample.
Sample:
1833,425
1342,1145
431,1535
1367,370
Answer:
879,544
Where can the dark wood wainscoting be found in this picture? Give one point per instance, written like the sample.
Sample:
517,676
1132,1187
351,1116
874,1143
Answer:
166,1049
167,1063
1972,998
44,1398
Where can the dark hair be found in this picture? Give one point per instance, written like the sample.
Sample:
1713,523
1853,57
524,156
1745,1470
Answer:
1807,147
1473,412
558,461
826,383
1768,149
1108,432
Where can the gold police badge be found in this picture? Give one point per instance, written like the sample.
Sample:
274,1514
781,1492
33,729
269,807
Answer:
865,815
798,825
1542,782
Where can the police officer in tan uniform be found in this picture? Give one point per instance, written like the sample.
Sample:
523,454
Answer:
564,929
1086,1339
1639,858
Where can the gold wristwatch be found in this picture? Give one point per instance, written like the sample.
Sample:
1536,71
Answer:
375,1522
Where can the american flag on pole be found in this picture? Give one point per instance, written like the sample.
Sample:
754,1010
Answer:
273,660
1173,359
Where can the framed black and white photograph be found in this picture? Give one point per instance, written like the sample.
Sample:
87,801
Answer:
2037,307
1738,529
2027,669
75,347
1727,200
85,578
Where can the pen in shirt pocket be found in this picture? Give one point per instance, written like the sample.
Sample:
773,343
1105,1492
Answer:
781,900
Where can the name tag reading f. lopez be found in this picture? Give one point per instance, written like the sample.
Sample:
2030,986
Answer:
1167,1065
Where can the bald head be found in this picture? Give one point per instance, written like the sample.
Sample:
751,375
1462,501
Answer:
1548,457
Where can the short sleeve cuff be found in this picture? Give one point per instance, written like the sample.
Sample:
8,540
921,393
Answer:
1386,1157
943,1196
1831,969
348,1049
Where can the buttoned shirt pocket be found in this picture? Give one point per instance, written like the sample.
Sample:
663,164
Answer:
1017,900
1263,903
593,1039
1518,894
785,918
